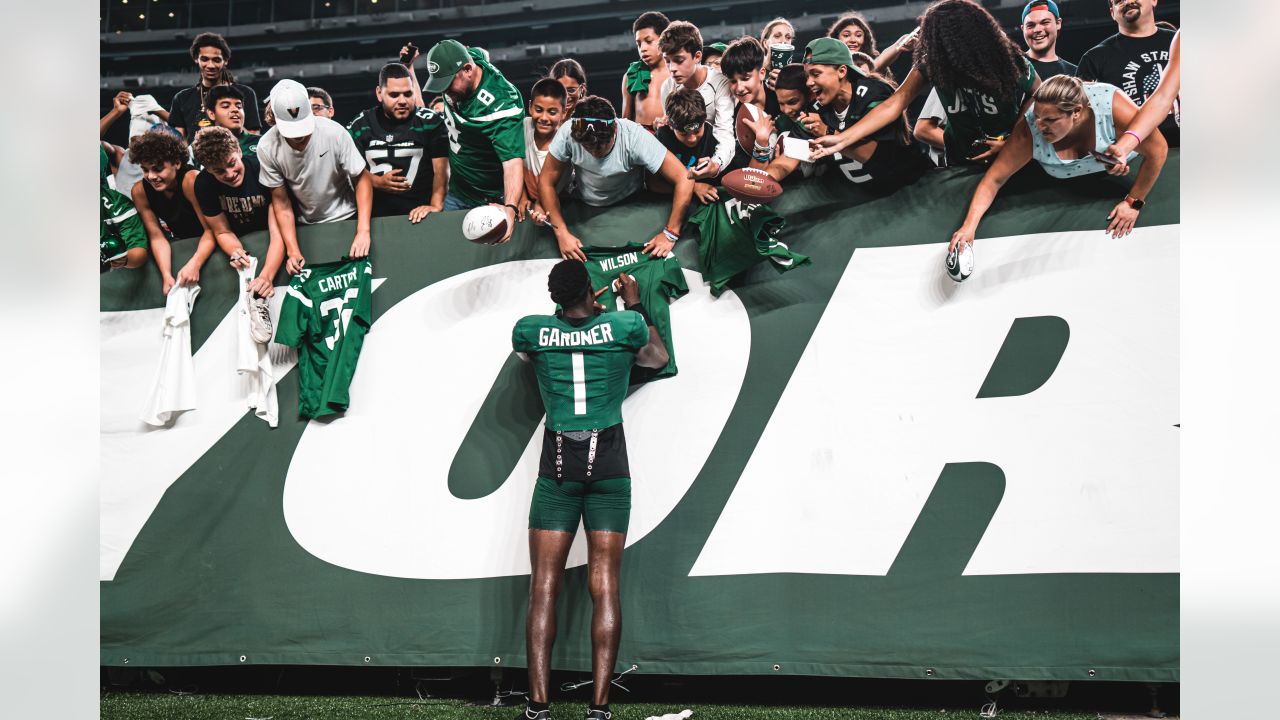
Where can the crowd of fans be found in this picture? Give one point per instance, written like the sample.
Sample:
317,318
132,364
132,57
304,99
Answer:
218,163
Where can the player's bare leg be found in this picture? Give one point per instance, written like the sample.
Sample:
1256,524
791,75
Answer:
604,568
548,550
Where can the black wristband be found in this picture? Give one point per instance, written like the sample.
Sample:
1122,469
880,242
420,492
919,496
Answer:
639,307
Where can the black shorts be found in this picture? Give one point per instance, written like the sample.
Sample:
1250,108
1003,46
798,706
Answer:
569,455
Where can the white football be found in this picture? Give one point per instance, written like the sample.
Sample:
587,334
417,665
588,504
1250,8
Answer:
960,262
485,224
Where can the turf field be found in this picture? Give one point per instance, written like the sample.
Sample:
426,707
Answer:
147,706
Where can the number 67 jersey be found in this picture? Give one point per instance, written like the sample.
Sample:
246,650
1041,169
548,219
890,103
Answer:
583,364
325,314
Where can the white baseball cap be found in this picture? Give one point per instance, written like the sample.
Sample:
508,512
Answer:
292,107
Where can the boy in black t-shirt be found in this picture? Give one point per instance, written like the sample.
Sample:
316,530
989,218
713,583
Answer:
689,137
1134,58
231,202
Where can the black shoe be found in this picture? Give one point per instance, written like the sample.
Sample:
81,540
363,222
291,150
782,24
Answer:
599,715
527,714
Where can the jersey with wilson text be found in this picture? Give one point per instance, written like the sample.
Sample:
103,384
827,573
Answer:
325,314
583,365
660,280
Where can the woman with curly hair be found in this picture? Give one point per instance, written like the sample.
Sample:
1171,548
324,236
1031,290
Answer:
982,78
852,29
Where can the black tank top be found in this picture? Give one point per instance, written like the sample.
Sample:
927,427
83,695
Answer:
175,211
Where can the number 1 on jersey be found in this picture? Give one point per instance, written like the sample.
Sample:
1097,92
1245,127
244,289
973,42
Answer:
579,385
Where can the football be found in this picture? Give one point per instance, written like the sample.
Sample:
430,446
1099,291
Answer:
960,262
746,136
751,185
485,225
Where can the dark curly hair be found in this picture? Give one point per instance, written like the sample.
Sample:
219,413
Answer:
854,17
962,46
156,146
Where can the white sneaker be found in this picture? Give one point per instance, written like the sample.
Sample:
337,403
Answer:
960,262
260,319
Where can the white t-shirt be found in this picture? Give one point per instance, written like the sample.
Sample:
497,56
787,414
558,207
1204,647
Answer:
613,178
320,177
720,111
533,157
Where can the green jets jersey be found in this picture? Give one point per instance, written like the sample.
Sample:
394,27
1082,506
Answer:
583,365
406,146
661,282
972,115
325,314
734,236
119,228
484,130
248,143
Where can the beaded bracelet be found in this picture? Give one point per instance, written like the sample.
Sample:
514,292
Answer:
670,235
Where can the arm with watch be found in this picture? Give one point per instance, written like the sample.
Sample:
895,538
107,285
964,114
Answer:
1153,149
512,189
654,353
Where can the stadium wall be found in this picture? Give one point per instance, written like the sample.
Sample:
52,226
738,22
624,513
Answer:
862,469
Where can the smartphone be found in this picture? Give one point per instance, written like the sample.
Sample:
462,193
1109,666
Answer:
706,162
1104,158
796,148
410,51
978,147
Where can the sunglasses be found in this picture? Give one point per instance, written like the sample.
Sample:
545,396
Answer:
590,123
689,129
318,108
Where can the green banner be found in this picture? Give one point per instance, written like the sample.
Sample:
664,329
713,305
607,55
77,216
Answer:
861,469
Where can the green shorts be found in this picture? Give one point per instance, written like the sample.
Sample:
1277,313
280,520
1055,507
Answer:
600,504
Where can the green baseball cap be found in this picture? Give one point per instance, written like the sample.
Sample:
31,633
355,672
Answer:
443,62
827,51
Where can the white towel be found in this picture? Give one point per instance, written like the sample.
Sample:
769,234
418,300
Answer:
174,389
253,362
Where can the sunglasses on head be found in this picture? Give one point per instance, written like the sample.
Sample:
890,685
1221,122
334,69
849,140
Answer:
590,123
689,129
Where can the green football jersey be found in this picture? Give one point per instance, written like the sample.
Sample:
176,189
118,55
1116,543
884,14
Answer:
733,236
325,314
119,227
661,282
972,115
407,146
583,366
484,130
248,143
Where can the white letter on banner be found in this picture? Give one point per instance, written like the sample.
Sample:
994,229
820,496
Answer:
369,491
885,396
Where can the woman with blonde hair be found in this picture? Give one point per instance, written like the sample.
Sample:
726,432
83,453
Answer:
778,30
1067,130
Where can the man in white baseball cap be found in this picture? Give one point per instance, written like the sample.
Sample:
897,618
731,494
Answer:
322,168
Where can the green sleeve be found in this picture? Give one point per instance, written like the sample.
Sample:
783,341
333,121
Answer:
1030,78
636,333
673,282
507,136
295,311
133,232
520,337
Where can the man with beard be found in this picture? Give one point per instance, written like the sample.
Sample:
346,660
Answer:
1041,24
406,147
162,198
226,110
1134,58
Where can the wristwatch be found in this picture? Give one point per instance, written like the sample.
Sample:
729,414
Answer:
1134,202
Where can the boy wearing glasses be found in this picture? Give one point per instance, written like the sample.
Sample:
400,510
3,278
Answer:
321,102
609,157
688,136
681,46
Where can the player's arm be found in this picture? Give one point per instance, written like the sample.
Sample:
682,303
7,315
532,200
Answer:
1154,150
287,225
160,250
876,119
1016,153
654,353
190,273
